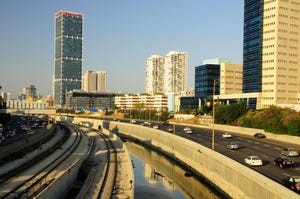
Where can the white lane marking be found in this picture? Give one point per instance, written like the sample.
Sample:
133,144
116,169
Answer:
267,145
277,148
240,138
298,169
248,140
285,174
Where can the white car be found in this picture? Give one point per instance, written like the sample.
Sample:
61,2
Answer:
155,127
133,121
226,135
187,129
253,160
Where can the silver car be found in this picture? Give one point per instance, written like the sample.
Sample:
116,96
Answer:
290,152
233,146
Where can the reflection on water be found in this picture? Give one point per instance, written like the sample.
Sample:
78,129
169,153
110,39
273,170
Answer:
157,177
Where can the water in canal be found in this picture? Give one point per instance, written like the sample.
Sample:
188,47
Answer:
159,178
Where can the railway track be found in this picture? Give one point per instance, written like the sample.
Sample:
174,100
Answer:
101,180
30,182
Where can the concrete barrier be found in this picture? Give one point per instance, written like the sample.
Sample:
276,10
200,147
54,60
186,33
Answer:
235,179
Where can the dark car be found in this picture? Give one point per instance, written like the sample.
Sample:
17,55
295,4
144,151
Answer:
259,135
293,182
283,162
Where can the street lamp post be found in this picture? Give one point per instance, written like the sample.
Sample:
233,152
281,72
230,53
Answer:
213,116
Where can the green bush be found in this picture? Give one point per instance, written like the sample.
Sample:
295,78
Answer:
293,127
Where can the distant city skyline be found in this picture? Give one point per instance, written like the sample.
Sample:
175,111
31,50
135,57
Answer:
118,38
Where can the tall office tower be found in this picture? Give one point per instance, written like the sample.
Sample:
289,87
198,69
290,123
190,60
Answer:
68,54
271,50
175,73
30,91
252,46
154,74
94,81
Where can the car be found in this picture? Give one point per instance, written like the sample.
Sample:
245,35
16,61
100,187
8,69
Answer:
253,160
133,121
233,146
259,135
187,129
283,162
290,152
10,135
293,182
170,129
155,127
227,135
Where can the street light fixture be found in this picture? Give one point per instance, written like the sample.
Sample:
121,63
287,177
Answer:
213,116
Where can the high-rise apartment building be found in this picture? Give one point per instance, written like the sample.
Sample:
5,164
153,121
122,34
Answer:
68,54
94,81
155,74
175,74
167,74
271,50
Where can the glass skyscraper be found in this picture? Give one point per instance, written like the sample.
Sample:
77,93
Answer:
68,54
252,49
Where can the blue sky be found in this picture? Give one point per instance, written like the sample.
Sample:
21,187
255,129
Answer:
119,35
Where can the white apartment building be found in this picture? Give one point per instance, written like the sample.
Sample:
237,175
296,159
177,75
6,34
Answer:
157,102
167,74
175,75
94,81
154,74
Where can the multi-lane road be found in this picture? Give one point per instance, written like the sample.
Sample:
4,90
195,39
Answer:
266,149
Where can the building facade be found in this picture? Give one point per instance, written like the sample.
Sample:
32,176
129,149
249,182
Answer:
90,100
167,74
231,78
155,102
94,81
175,74
252,48
154,75
68,54
271,51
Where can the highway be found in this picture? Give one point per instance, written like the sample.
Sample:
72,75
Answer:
266,149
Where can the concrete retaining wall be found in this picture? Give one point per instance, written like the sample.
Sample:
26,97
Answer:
232,177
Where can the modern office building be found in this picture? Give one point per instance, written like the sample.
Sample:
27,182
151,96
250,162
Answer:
252,48
90,101
231,78
271,51
175,74
154,74
68,54
205,75
219,74
94,81
30,91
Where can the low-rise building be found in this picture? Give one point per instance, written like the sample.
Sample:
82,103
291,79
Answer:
157,102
